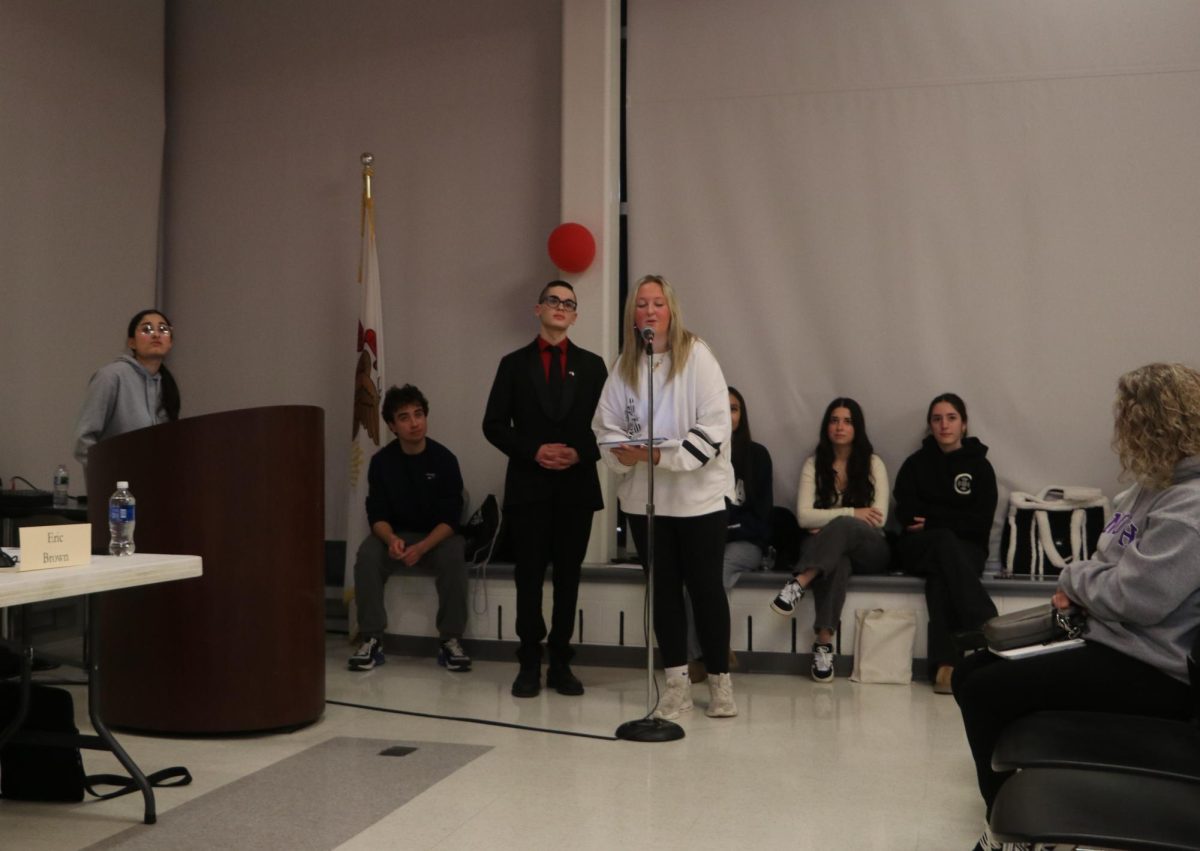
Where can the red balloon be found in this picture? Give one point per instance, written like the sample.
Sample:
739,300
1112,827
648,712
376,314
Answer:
571,247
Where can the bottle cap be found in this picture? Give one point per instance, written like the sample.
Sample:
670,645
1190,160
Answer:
121,486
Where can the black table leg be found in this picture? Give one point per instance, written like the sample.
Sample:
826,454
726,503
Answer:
93,669
26,668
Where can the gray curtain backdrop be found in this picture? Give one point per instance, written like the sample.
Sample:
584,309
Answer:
890,200
880,199
268,107
81,140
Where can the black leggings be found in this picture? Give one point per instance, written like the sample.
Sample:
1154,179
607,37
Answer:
992,692
688,552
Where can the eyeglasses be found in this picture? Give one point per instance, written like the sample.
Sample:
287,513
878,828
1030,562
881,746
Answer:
565,303
146,329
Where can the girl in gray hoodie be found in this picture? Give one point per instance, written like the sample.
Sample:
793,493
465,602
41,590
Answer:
134,391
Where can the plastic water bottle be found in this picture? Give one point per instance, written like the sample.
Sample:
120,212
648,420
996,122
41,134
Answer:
61,480
121,520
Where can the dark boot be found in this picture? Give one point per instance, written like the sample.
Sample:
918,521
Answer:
560,678
528,682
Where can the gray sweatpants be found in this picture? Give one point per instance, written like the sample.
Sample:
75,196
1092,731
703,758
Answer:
845,545
373,566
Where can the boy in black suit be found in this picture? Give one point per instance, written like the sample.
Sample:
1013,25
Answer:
539,414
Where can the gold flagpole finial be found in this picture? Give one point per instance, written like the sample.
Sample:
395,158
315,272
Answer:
368,160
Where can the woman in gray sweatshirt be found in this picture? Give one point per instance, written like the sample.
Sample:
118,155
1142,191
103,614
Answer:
1141,589
134,391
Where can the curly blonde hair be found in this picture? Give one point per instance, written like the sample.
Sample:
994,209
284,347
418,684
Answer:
1157,421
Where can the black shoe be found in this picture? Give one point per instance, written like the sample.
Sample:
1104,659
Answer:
970,640
528,683
452,657
369,654
41,663
560,678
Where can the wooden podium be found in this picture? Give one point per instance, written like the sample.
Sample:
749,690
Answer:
241,648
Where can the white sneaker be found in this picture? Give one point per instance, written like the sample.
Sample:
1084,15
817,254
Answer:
720,697
987,842
785,601
676,698
822,662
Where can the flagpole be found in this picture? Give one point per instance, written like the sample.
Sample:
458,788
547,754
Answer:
369,386
368,165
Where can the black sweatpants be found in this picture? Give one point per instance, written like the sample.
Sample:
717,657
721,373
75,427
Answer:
688,553
954,596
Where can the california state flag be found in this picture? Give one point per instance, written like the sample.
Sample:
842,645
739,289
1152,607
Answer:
368,393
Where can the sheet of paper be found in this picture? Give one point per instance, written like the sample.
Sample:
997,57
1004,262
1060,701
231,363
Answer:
1040,649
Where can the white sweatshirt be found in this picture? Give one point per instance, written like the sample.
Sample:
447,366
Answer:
691,411
817,518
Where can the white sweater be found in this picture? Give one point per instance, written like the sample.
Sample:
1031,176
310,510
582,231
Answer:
691,411
816,518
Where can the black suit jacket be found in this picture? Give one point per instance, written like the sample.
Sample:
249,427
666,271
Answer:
520,418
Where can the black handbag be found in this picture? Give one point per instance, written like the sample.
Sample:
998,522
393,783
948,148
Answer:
1043,624
41,772
54,772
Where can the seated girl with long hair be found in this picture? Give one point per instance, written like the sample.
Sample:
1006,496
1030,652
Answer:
843,504
946,500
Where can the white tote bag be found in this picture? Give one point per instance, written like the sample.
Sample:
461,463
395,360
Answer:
883,646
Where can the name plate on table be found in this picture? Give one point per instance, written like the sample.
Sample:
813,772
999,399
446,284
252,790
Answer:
54,546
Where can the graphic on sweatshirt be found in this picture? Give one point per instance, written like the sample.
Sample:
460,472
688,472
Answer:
962,484
1128,534
633,422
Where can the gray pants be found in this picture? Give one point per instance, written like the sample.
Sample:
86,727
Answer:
373,566
740,556
845,545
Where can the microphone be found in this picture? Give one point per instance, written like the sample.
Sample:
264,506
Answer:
647,335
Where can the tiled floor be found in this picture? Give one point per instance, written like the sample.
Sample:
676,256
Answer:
803,766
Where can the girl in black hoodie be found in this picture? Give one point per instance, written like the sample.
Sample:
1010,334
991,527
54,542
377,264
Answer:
946,500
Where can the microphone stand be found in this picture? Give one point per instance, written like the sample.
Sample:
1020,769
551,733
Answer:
647,729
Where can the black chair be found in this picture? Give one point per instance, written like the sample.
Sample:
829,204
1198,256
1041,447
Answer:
1116,781
1100,741
1106,809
